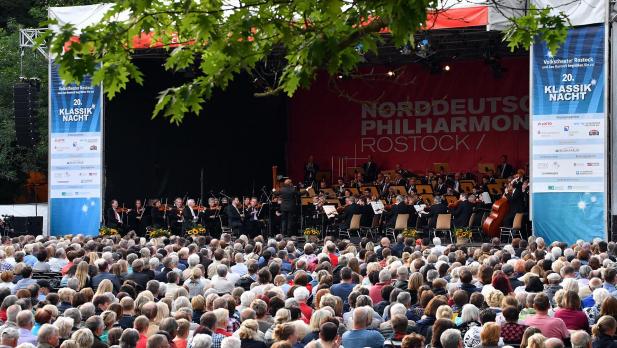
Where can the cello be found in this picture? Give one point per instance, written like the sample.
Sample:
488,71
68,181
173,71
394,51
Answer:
492,224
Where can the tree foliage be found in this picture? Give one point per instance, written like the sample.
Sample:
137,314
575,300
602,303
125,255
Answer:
221,38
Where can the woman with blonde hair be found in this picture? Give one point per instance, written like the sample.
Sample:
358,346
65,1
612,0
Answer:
69,344
249,334
109,319
162,312
444,312
319,317
65,327
282,316
285,332
105,286
83,337
530,331
604,332
414,283
489,336
81,274
93,256
536,341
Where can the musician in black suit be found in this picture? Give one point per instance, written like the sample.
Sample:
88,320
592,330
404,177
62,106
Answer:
440,207
463,210
234,218
252,225
157,214
370,170
504,170
113,218
351,208
310,172
190,217
398,208
289,204
516,200
175,218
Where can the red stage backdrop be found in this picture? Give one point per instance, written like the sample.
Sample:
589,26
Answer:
462,117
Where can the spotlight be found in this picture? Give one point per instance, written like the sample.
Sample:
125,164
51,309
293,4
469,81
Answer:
391,73
339,76
423,48
406,51
446,67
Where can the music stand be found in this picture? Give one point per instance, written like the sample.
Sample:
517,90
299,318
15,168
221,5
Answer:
421,189
373,190
450,199
378,207
495,189
467,186
441,167
400,190
486,168
330,211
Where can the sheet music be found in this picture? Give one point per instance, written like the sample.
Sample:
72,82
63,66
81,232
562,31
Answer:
378,207
420,208
486,198
330,211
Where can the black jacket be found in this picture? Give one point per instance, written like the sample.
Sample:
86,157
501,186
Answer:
348,214
434,211
289,197
141,278
397,209
110,218
462,213
233,216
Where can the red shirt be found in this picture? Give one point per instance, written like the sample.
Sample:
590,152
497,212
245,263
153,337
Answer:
143,340
574,320
550,327
65,269
307,312
375,292
180,342
333,259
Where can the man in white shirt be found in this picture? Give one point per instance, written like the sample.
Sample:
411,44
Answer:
239,268
220,283
59,260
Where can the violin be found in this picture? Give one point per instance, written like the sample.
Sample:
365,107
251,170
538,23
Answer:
123,210
199,208
165,207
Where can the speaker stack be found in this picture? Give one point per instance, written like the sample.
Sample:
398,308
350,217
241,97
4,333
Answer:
26,101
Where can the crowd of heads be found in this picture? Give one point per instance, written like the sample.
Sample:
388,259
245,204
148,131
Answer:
203,292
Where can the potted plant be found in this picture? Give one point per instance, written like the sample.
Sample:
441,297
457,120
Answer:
463,235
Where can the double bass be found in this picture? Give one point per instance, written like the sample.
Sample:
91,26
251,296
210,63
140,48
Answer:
491,226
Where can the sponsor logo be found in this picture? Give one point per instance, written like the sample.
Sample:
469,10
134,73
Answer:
594,132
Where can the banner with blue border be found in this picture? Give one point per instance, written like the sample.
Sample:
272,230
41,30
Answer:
568,137
75,156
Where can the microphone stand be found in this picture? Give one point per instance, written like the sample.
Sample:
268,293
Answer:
269,202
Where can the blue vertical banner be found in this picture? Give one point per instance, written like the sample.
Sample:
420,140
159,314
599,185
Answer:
568,136
75,155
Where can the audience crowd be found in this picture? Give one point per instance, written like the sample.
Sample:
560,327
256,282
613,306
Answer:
200,292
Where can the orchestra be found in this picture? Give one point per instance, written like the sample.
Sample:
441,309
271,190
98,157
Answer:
496,201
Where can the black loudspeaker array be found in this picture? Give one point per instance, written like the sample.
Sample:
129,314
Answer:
26,101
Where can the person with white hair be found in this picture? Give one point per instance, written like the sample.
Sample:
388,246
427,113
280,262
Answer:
451,338
580,339
301,295
593,312
438,248
231,342
201,341
25,323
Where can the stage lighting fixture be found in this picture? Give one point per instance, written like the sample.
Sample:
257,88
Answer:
446,67
391,73
339,76
406,50
423,48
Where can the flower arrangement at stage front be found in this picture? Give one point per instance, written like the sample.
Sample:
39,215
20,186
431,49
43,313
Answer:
410,233
309,231
159,232
106,231
462,233
196,230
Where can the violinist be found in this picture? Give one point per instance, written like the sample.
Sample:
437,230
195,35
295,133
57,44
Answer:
157,214
211,217
174,216
366,210
135,216
440,206
251,223
114,217
463,209
190,215
234,217
351,208
399,207
340,187
411,185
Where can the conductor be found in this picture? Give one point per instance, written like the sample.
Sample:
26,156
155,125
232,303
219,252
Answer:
289,203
